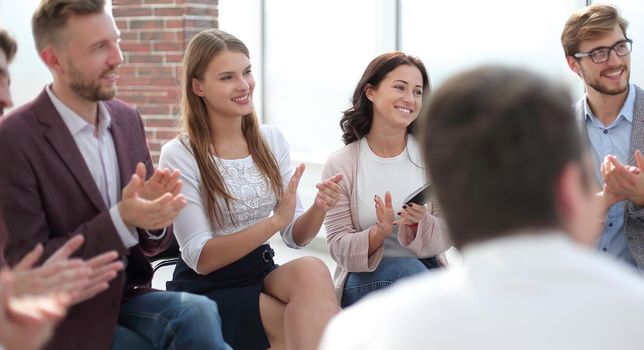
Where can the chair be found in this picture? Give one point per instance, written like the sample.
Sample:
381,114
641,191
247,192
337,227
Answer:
168,257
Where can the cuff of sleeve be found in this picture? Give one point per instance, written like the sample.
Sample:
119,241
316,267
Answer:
128,235
287,237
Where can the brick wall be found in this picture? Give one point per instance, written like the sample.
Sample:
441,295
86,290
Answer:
154,35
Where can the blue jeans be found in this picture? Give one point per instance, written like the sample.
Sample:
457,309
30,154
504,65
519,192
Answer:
390,270
169,320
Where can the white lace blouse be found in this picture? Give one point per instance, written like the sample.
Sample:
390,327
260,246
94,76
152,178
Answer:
255,200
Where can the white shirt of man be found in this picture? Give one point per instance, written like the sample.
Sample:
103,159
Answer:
527,291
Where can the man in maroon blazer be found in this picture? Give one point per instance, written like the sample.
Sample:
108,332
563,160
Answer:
75,162
58,283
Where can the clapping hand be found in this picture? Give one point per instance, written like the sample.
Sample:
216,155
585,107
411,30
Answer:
286,209
384,215
78,280
623,181
328,192
411,214
161,182
152,212
27,322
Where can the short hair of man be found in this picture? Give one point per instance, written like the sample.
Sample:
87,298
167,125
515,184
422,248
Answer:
8,44
590,23
496,141
51,16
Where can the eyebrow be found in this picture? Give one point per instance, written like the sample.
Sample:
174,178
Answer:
608,47
406,83
118,38
224,73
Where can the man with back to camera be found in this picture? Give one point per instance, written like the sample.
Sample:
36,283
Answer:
68,162
506,160
611,113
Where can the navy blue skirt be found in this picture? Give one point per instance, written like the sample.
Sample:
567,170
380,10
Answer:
235,288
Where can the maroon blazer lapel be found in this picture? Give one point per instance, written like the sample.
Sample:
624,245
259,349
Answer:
62,141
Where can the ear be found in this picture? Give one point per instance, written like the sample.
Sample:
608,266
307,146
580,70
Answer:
566,191
368,91
572,198
196,87
52,59
573,64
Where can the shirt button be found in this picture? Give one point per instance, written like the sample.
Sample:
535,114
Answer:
605,249
605,131
610,224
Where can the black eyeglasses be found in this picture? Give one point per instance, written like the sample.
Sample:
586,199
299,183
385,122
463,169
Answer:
602,54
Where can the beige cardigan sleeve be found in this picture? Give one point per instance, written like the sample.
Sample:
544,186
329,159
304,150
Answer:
431,238
348,243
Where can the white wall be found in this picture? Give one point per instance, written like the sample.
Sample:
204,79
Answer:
28,74
460,34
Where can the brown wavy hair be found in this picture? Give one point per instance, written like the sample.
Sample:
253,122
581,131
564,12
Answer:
356,121
199,133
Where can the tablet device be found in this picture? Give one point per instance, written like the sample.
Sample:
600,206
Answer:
420,195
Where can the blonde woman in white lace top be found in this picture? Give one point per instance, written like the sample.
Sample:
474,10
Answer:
241,190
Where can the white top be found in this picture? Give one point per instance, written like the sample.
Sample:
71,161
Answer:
400,175
100,157
522,292
243,180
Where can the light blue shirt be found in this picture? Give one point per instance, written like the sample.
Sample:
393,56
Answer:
613,139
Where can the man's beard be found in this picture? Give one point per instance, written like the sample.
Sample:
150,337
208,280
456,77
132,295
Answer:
88,89
603,89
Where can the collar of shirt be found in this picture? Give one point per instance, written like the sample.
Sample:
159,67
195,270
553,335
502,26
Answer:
76,123
626,112
514,247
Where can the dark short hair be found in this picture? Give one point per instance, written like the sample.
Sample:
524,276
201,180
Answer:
496,141
356,121
8,44
51,16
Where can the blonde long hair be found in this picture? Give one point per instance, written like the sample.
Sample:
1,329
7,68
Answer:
196,124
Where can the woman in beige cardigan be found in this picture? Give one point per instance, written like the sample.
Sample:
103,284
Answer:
376,241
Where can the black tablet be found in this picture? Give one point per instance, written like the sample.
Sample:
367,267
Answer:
420,195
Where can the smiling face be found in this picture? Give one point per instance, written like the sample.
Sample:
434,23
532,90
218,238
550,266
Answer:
89,58
398,98
227,85
610,77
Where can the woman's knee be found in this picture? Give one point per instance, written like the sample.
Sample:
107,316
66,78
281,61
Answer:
309,269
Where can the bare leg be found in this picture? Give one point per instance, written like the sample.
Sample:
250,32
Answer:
272,313
305,286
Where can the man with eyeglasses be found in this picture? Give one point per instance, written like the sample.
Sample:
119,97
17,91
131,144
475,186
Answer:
612,118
